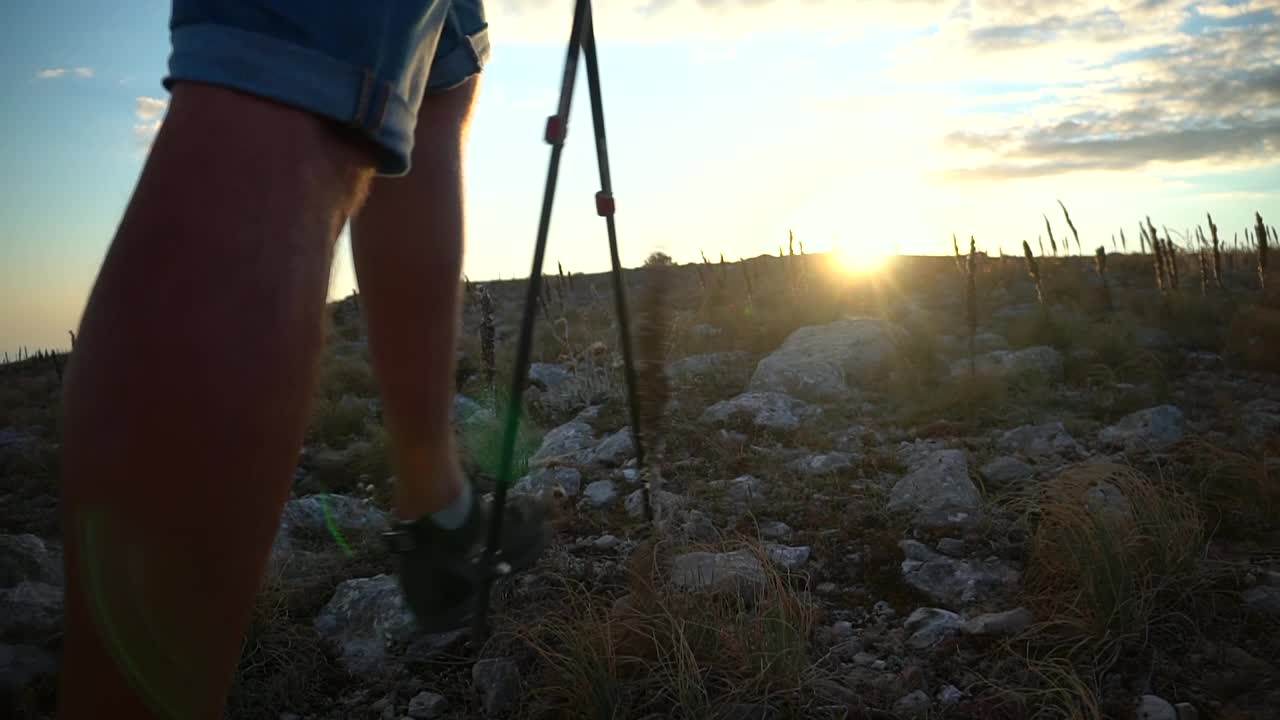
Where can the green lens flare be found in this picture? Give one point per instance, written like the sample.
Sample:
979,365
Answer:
332,525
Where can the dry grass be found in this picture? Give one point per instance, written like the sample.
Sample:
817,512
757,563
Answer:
283,664
1240,493
667,652
1111,573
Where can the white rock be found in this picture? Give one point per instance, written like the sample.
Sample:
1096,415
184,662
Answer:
739,572
1045,439
1152,707
599,494
820,363
926,627
938,492
427,706
1001,623
766,410
951,582
786,556
1152,429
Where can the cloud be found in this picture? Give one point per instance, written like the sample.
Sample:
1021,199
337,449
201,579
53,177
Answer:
83,71
149,111
1145,83
149,107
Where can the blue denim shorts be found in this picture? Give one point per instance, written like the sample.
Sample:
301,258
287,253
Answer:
364,63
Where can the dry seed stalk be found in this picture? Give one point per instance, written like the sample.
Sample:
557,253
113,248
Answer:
1158,252
1260,230
487,355
1124,244
1071,225
1052,243
1033,269
653,337
1217,255
971,305
1171,264
1100,263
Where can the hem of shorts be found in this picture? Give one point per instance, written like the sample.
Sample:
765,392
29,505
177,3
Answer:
293,75
464,62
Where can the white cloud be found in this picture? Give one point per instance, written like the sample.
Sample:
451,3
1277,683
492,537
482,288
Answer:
82,71
149,111
150,107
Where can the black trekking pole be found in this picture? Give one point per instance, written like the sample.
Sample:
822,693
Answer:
581,39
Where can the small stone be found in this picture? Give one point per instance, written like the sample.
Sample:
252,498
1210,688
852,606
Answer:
664,503
775,530
865,659
926,627
951,546
599,494
826,588
884,610
605,542
937,492
739,572
1186,711
790,558
1263,598
1152,707
1001,623
498,682
1152,429
950,695
842,629
427,705
912,705
1005,471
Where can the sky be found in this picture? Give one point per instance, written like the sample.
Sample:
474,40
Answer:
866,126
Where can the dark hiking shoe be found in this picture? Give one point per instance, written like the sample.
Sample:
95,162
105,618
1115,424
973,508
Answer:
441,570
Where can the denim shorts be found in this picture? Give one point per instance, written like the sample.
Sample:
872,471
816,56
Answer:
364,63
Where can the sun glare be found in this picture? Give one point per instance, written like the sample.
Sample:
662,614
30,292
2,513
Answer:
860,260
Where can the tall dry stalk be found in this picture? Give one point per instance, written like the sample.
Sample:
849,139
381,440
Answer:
1142,239
1052,243
1171,260
746,277
1260,231
1124,244
1071,225
653,338
1217,254
1204,271
1157,257
1100,264
955,245
1040,240
1033,269
487,354
971,305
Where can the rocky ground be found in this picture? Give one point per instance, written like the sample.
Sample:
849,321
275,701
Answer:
855,516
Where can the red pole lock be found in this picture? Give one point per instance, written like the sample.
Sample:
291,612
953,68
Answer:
555,131
604,204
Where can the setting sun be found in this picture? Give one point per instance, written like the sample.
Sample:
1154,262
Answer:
860,260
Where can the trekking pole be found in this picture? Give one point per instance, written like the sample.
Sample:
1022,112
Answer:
581,39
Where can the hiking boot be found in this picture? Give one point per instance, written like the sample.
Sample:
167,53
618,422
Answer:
441,570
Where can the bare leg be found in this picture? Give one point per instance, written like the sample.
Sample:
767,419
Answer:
188,395
407,243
